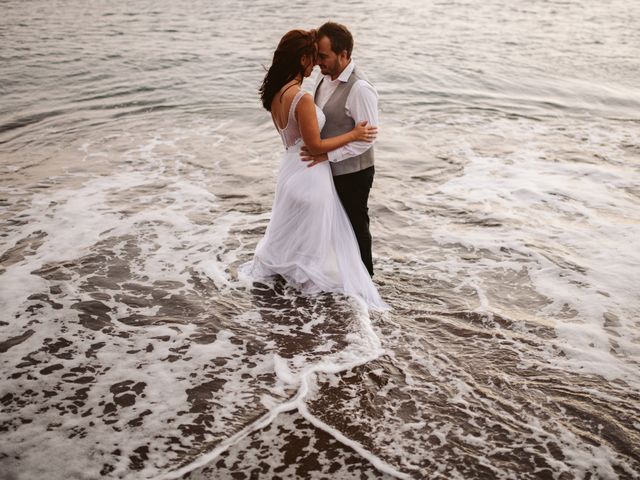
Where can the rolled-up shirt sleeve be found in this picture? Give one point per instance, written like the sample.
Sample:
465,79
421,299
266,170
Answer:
361,105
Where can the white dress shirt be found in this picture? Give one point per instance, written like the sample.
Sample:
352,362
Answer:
361,104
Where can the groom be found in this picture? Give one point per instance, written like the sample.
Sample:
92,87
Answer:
346,98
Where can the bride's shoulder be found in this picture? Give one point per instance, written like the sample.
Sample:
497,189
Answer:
305,100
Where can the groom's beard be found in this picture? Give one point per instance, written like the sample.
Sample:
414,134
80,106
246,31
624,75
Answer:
331,73
332,70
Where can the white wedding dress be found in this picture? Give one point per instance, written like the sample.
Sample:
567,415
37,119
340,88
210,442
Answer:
309,240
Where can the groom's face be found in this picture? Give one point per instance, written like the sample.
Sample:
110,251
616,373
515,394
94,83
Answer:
330,62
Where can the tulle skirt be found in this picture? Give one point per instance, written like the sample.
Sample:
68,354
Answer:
309,240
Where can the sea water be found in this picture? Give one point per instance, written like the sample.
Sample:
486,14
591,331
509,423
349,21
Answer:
138,171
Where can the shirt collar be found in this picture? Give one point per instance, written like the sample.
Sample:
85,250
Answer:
346,73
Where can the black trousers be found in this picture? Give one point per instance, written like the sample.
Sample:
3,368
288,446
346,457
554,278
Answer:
353,190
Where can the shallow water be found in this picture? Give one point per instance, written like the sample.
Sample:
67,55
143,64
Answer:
138,172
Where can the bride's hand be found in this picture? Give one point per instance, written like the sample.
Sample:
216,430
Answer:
363,133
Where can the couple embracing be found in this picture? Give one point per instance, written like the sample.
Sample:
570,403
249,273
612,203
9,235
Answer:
318,236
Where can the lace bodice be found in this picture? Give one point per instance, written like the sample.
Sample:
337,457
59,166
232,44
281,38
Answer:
291,132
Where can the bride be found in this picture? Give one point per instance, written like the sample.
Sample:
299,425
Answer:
309,240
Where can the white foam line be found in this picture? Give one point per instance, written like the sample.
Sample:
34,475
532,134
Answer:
306,379
376,461
262,422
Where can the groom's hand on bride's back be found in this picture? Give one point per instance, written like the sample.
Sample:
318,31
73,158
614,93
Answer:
307,156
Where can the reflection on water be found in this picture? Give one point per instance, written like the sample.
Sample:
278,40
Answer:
138,172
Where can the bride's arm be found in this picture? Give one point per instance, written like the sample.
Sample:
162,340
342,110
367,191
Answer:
310,131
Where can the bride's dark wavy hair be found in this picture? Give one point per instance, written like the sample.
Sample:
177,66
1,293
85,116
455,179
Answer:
286,62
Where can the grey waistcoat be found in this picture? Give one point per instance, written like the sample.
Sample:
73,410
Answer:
338,123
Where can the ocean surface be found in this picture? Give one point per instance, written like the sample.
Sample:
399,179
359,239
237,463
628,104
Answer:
137,172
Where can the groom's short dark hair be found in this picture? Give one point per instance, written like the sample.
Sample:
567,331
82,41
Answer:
340,37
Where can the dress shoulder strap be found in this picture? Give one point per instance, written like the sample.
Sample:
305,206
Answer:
294,103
